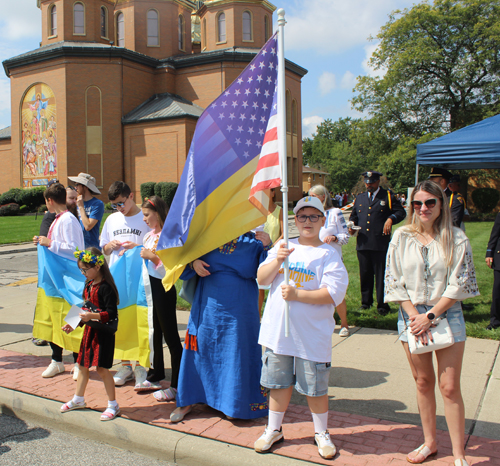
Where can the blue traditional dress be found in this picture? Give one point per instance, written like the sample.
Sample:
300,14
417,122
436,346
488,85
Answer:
221,362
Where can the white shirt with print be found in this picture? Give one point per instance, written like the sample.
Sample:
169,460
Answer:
122,228
311,325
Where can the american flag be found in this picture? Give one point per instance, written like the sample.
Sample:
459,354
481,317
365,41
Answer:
247,116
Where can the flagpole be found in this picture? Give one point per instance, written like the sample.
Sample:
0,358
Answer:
282,147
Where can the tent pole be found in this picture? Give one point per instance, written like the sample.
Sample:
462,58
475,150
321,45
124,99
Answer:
416,176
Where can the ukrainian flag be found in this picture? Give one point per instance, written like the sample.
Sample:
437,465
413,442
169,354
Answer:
211,205
60,285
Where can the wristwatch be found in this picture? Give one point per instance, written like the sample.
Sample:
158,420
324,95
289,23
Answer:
430,315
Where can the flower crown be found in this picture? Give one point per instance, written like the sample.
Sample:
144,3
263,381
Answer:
89,258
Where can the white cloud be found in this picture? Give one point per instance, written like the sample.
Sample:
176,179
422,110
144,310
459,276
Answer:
326,83
20,21
333,26
369,49
309,125
348,80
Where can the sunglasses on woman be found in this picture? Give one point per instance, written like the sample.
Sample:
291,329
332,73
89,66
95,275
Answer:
312,218
429,203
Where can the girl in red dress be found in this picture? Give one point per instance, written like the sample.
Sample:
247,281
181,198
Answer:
98,346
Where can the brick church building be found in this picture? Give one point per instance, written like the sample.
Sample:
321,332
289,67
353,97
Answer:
116,87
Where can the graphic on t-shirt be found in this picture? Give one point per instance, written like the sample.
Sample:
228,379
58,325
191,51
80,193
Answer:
127,231
299,273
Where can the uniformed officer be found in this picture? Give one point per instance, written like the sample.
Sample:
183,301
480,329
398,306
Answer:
493,262
375,211
443,177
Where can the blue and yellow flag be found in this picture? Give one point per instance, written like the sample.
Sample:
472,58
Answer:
211,205
60,285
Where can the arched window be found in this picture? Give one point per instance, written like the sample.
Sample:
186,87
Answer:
104,22
53,21
78,18
182,33
153,30
204,32
221,27
295,122
120,30
247,26
267,32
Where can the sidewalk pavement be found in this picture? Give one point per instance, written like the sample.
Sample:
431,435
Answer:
373,413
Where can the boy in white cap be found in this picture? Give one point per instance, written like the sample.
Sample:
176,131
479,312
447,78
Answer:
90,209
318,280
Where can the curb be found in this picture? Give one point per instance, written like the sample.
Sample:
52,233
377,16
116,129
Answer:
157,442
6,248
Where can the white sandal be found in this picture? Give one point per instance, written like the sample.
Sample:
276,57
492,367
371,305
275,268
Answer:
110,413
461,462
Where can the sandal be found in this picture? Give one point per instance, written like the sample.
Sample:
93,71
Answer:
71,405
461,462
168,394
423,450
110,413
178,413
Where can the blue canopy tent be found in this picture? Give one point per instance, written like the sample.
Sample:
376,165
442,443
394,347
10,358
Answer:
475,146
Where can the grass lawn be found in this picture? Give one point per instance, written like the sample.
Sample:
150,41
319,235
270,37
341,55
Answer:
23,228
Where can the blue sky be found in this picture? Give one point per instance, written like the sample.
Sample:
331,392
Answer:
327,37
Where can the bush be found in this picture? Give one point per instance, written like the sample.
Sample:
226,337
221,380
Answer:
42,208
10,196
147,189
166,190
485,199
107,206
9,210
32,198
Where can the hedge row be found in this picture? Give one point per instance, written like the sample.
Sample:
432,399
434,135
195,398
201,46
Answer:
32,198
164,189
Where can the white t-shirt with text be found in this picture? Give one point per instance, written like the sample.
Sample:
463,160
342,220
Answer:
122,228
311,325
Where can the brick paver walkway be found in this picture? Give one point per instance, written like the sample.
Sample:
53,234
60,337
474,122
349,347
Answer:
360,440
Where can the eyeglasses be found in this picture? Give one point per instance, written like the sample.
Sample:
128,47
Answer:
118,205
84,271
51,182
312,218
429,203
72,188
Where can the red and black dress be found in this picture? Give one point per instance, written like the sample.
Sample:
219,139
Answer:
97,347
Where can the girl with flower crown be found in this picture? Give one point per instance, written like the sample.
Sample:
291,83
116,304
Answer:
98,346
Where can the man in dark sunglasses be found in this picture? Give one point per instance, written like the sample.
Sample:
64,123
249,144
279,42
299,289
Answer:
375,211
450,185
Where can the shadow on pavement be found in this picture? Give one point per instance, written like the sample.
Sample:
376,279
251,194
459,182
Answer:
13,429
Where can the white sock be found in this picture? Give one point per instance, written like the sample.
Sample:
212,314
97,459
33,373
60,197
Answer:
275,420
320,422
112,404
78,399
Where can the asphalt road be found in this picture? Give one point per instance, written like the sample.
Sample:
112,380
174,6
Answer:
26,444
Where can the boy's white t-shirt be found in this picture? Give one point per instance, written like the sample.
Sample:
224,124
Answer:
122,228
311,325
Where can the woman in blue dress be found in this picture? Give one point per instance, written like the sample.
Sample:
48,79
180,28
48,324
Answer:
221,362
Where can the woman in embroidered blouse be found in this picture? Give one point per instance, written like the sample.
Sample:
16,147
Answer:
221,362
429,271
336,234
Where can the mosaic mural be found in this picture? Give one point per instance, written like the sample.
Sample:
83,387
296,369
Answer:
39,136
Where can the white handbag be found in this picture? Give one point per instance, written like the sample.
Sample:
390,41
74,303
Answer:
442,337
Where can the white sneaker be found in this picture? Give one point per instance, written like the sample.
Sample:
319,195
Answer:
123,375
344,332
268,439
140,375
75,371
53,369
326,448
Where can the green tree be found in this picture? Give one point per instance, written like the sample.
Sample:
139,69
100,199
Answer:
442,68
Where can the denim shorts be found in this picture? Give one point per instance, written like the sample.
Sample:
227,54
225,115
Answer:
454,315
280,371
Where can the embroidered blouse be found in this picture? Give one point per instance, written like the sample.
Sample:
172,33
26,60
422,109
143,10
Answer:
418,272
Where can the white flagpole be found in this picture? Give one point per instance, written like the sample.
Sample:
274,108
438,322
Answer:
282,146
